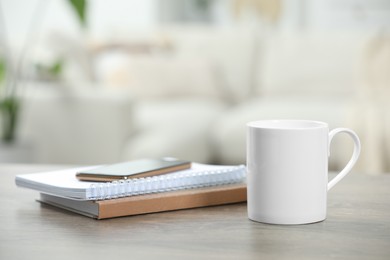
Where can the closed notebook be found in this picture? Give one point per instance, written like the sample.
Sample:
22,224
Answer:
151,203
64,183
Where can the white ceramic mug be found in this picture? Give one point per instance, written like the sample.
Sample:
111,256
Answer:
287,164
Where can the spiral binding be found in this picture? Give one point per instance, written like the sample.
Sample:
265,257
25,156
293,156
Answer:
168,182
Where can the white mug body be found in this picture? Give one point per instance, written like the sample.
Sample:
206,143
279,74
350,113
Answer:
287,164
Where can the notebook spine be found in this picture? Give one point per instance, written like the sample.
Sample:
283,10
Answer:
163,183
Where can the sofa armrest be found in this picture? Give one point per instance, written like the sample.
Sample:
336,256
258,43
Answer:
76,127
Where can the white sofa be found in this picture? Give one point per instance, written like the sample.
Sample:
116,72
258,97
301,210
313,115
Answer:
193,100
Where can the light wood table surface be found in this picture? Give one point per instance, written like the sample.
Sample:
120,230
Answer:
357,227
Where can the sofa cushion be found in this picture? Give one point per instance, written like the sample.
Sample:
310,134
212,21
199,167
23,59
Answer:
175,112
157,75
174,128
230,48
312,64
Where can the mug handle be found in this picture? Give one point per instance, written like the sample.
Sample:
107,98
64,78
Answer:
352,161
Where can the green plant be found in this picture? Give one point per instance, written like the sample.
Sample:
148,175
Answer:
9,107
9,101
2,71
51,71
80,7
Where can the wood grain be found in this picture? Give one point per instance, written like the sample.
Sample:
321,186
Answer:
357,227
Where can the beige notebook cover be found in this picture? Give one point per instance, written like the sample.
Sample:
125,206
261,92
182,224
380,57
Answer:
151,203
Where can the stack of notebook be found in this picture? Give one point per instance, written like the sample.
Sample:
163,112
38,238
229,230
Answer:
199,186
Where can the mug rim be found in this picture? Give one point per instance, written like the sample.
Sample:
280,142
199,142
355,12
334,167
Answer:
287,124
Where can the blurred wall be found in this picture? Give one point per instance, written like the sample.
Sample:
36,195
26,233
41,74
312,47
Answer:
114,16
104,17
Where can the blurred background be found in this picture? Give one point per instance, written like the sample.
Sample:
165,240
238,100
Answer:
93,82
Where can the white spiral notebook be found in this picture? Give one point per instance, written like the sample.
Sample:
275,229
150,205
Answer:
64,183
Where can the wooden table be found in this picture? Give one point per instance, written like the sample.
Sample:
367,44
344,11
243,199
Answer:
357,227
